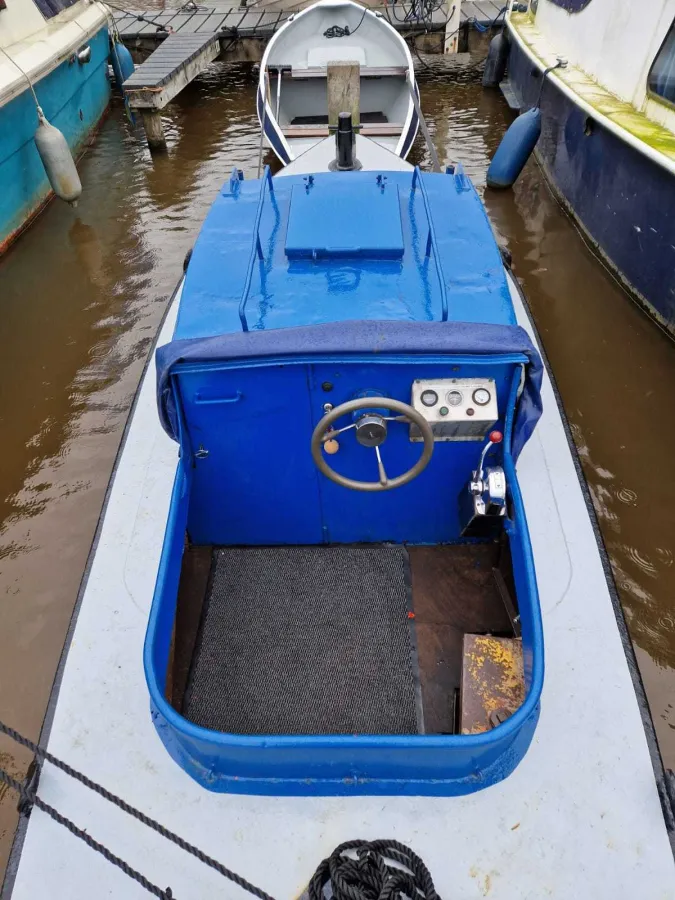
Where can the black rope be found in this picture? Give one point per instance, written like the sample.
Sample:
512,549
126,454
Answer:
30,798
362,870
444,38
338,31
141,18
25,791
356,870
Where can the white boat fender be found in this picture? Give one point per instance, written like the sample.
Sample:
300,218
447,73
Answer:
58,161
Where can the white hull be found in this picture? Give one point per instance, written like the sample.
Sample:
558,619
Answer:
579,817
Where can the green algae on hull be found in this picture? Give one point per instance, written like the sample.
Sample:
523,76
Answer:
621,113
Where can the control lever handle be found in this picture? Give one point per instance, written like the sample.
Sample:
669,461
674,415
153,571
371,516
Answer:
495,437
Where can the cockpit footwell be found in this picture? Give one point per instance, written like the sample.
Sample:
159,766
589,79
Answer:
342,639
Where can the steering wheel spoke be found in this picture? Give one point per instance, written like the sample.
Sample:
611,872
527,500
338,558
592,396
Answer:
374,434
329,435
384,481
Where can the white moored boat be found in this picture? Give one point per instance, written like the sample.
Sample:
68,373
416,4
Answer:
293,84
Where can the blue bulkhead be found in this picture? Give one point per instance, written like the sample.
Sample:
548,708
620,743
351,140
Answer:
303,291
74,98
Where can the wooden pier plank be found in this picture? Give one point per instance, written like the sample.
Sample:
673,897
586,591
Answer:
179,59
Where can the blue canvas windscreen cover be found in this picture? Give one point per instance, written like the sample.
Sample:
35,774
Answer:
361,338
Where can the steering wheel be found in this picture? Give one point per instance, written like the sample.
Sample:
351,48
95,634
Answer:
371,431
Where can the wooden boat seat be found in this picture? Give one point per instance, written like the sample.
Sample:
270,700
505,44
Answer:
320,71
375,129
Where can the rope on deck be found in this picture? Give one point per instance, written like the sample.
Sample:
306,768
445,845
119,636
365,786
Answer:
28,794
356,870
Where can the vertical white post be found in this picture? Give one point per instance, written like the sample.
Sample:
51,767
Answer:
454,18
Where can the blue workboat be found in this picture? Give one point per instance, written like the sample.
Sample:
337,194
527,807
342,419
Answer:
345,521
53,58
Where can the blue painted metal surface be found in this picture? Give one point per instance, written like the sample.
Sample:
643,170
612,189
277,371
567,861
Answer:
624,201
285,292
328,224
254,413
342,764
286,400
73,97
515,149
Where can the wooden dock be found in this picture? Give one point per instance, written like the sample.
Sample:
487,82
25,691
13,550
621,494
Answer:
258,23
175,63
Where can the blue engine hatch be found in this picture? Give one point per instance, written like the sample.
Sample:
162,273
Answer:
327,224
303,250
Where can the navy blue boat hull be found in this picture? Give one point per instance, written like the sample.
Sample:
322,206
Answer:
624,202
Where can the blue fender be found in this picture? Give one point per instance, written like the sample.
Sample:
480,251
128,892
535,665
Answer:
122,63
515,149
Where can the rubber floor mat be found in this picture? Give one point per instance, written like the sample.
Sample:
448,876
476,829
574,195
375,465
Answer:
306,640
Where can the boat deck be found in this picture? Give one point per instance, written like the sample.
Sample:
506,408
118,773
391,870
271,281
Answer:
579,817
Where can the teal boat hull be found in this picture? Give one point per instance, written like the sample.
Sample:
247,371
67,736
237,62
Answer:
74,98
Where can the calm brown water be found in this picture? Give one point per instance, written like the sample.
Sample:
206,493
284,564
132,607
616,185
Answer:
82,294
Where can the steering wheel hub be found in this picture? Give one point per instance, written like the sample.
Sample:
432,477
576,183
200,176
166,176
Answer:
371,431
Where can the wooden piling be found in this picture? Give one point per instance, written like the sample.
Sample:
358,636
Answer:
154,130
343,85
452,26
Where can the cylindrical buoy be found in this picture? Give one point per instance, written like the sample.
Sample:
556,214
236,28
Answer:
495,64
122,63
58,161
515,149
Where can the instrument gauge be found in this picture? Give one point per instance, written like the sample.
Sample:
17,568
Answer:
454,398
429,398
481,396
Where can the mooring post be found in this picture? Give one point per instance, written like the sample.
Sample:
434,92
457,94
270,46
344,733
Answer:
154,130
452,25
343,84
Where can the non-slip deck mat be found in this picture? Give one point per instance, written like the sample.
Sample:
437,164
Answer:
305,640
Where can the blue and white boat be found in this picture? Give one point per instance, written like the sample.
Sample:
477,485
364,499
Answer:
607,144
328,570
53,53
292,89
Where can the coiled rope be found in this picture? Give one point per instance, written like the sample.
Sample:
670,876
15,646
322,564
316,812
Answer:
363,870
